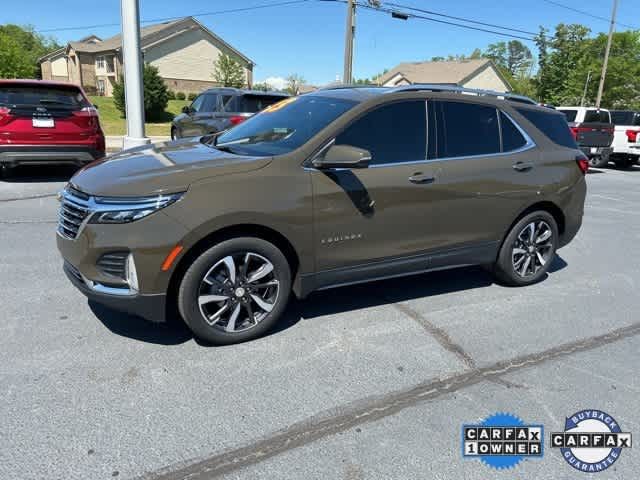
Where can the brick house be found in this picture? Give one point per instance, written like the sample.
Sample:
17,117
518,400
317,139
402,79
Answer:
183,50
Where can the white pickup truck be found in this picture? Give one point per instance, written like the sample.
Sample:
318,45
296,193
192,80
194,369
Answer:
626,139
593,131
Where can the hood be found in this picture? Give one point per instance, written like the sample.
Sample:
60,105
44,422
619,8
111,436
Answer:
160,168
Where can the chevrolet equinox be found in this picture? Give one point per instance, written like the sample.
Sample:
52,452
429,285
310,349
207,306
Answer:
332,188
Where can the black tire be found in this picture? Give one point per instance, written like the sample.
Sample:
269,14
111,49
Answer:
191,290
598,162
174,133
624,162
505,271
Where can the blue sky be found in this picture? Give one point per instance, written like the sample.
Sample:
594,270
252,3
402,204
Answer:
308,38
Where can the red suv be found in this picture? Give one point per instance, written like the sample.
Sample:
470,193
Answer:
47,122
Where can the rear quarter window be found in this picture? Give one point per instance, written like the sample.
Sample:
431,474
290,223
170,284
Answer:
552,125
570,114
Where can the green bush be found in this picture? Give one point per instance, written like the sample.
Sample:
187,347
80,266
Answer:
180,96
192,97
171,95
155,94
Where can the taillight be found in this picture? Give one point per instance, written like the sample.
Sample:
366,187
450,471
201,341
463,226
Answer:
574,132
236,119
583,163
5,115
632,135
87,117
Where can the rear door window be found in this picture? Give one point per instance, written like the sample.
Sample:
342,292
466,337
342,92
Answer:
392,133
570,114
512,139
466,129
228,103
210,103
554,126
596,116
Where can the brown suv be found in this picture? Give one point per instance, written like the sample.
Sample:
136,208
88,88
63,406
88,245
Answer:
332,188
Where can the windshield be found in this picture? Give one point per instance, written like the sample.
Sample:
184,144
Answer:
284,126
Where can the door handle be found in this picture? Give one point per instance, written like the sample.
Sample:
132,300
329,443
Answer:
422,178
522,166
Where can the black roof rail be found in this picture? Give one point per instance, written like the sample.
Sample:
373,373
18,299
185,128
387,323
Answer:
465,91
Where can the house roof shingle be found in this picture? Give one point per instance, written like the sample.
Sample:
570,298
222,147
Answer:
150,35
452,72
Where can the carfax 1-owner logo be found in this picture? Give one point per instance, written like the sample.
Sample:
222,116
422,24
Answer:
592,440
502,441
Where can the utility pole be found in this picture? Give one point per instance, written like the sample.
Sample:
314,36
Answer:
606,53
133,85
586,86
350,32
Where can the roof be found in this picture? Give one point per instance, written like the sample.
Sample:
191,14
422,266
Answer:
151,35
446,72
31,81
242,91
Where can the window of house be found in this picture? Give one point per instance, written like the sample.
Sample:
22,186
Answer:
100,87
512,139
100,62
466,129
109,64
392,133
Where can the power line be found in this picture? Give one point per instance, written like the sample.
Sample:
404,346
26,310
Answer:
430,12
166,19
588,14
437,20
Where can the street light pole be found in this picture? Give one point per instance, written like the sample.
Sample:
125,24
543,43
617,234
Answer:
350,32
606,53
133,85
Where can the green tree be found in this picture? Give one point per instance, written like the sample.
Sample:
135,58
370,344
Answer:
262,86
228,72
155,94
294,82
513,57
20,49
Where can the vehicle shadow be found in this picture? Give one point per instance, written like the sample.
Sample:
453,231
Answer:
318,304
40,173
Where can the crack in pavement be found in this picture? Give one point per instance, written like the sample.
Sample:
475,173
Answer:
373,409
31,197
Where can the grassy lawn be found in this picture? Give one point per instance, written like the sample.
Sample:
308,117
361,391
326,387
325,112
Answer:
113,124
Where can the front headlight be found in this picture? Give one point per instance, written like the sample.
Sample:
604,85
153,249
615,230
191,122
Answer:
125,210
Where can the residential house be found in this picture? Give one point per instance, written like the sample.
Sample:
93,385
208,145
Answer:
183,50
480,73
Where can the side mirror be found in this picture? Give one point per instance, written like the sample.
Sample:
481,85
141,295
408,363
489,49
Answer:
186,109
342,156
95,106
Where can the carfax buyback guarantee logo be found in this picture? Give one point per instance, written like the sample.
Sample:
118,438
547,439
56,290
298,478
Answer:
502,441
592,440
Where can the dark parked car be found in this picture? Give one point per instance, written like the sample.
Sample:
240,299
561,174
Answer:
47,123
219,109
331,188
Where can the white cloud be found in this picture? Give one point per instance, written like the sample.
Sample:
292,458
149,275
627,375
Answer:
277,83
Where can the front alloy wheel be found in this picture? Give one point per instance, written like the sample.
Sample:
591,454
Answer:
235,290
238,292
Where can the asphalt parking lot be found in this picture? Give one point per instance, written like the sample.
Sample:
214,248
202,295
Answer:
363,382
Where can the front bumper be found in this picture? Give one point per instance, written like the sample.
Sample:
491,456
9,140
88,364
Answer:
48,154
149,307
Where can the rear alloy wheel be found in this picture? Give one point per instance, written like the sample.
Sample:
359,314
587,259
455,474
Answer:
235,291
528,250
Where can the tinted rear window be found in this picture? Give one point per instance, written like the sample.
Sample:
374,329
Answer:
570,114
512,139
597,116
625,118
466,129
255,103
60,97
552,125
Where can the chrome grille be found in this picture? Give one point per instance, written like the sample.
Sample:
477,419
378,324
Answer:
113,263
74,209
